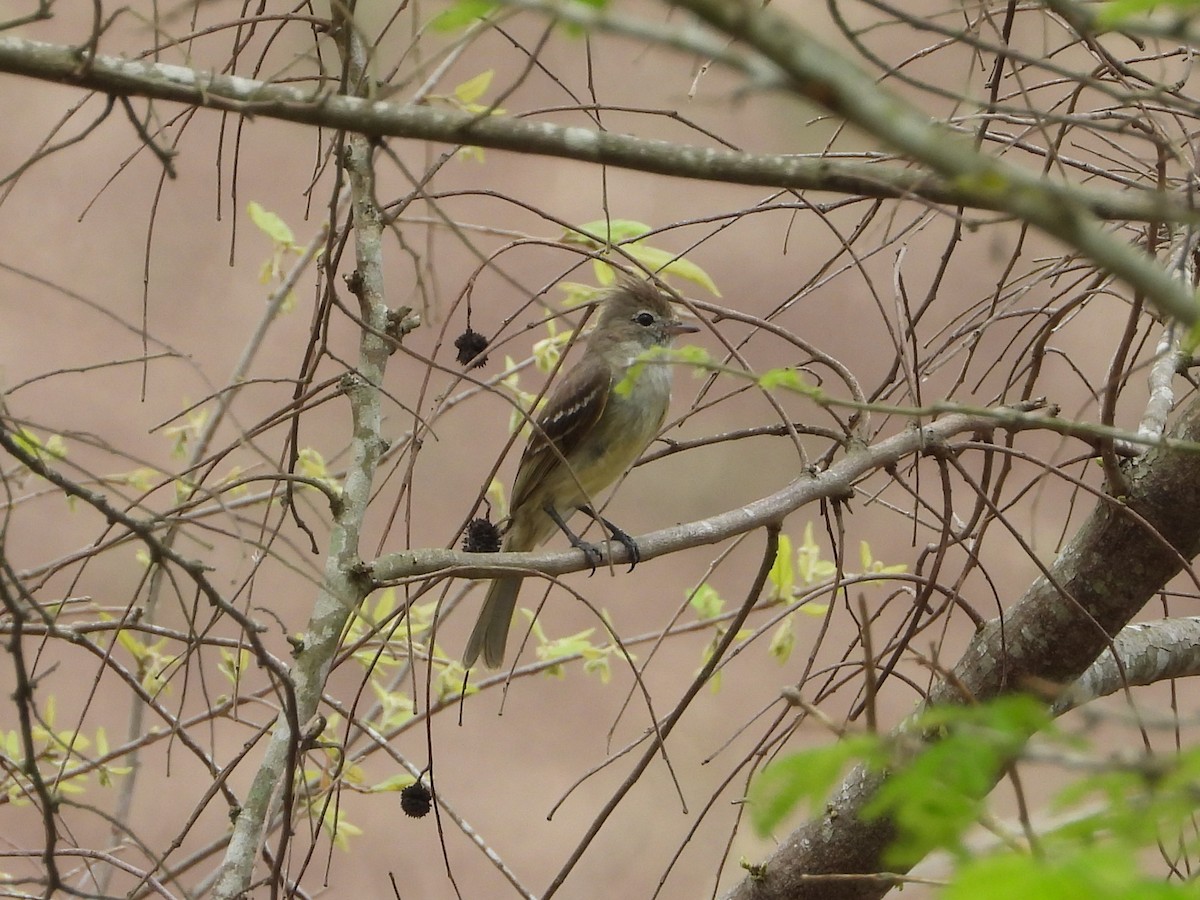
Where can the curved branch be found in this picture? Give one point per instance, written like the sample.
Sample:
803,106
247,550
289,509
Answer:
123,77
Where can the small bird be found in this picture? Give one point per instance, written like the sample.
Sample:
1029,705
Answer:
587,436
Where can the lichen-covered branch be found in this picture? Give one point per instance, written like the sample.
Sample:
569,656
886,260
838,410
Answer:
342,588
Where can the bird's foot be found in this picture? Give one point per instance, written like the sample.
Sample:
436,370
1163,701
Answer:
590,550
618,534
622,537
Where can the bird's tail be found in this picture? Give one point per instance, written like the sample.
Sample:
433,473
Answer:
491,628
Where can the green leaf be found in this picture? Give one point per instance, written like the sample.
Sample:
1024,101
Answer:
196,419
811,566
805,776
706,601
665,262
27,441
618,231
1131,805
872,565
1192,339
1094,873
384,605
395,707
691,355
599,665
56,446
397,782
580,643
101,741
935,797
782,576
34,446
137,649
495,493
232,666
311,464
689,271
783,640
658,355
270,224
626,232
864,556
548,351
473,88
462,14
624,387
1116,13
451,682
606,275
788,379
577,294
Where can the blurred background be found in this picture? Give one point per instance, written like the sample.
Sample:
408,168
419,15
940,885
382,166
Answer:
127,298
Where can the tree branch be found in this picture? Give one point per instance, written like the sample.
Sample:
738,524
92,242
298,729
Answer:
1146,653
826,78
343,588
1122,555
836,481
319,106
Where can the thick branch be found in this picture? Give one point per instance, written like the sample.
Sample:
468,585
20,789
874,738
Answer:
319,106
342,589
1122,555
1146,653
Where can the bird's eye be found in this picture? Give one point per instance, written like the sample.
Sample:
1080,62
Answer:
644,319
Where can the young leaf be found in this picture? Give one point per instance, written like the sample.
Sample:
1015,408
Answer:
1115,13
473,88
788,379
664,262
870,564
783,640
782,576
270,224
706,601
462,14
618,231
576,293
809,564
397,782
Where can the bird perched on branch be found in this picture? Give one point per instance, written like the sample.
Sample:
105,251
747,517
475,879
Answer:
588,435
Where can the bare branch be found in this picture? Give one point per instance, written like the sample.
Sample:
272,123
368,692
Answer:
318,106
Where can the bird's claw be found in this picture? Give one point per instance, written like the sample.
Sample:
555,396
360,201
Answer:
592,553
630,545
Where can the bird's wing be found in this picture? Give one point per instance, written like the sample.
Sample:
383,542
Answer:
572,411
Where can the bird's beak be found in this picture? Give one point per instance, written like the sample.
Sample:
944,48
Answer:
681,328
677,327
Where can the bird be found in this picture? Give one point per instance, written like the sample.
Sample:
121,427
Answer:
587,436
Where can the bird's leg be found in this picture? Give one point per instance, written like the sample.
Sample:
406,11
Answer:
618,534
591,551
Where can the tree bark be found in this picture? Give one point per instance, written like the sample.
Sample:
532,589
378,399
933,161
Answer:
1126,551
